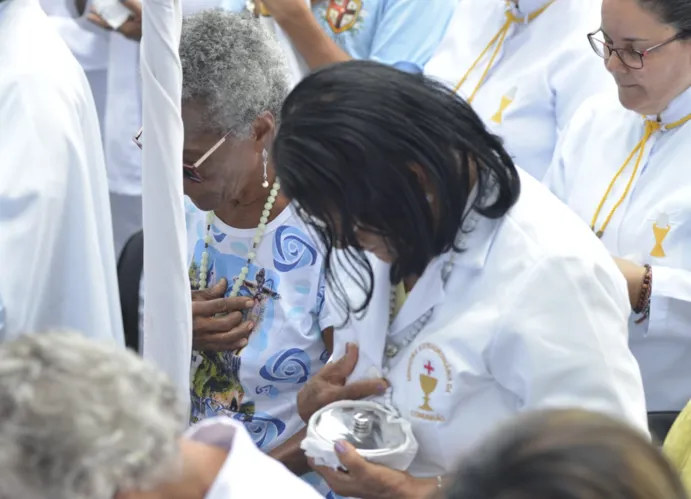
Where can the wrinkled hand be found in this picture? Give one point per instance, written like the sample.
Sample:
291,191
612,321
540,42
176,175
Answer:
369,481
217,324
328,385
132,28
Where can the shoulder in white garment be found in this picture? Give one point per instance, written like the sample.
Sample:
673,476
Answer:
55,233
534,315
543,71
247,472
648,222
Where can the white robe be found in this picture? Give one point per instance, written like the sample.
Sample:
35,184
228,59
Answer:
652,225
247,472
56,243
534,315
88,43
543,72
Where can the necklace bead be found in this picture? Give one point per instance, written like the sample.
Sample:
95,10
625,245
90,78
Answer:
251,255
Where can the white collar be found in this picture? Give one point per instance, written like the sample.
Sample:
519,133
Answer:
679,108
527,7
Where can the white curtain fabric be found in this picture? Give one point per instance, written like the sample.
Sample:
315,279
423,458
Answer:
167,338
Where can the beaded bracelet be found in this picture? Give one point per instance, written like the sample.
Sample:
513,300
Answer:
643,305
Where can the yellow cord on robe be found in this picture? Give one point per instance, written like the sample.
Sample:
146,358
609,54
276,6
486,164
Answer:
651,127
497,42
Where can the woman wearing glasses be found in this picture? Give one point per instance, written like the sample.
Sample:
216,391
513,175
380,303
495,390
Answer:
260,328
623,166
524,67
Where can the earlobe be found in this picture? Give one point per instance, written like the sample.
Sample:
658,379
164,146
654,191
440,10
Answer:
263,129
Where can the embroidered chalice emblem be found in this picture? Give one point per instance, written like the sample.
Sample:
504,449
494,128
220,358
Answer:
428,385
660,230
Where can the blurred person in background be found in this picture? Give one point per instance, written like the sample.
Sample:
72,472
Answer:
56,241
89,420
565,454
387,31
622,166
525,67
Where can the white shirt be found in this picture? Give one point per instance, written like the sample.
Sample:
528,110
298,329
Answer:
595,145
123,116
56,244
534,315
247,472
544,71
260,386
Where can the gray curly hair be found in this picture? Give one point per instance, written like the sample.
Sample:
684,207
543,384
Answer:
235,66
80,419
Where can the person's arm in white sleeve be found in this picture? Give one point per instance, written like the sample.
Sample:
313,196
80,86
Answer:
670,302
564,342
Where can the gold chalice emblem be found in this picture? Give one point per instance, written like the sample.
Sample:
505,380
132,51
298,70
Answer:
428,385
660,230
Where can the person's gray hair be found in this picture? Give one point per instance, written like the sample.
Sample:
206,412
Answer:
82,419
234,66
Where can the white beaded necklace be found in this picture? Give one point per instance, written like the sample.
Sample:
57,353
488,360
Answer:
251,255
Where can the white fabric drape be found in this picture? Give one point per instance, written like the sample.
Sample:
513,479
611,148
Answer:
167,338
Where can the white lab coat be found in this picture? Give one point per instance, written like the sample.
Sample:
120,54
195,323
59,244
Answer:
534,315
594,146
544,71
56,244
247,472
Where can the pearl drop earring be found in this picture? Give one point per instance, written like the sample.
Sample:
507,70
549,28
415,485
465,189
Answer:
265,159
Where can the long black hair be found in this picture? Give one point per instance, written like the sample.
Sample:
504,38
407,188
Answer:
354,142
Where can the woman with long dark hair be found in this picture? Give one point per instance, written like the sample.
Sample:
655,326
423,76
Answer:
466,285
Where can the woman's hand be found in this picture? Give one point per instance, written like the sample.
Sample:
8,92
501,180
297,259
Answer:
131,28
372,481
328,385
217,324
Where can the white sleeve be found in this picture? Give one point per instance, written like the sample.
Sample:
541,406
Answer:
581,75
564,341
53,212
670,303
560,175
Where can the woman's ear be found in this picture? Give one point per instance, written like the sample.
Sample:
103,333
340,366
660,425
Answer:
263,129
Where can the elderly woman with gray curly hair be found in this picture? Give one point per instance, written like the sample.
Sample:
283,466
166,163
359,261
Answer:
261,329
81,419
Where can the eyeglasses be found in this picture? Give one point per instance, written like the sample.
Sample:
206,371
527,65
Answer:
630,57
189,171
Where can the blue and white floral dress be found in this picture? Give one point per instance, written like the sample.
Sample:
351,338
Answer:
286,279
